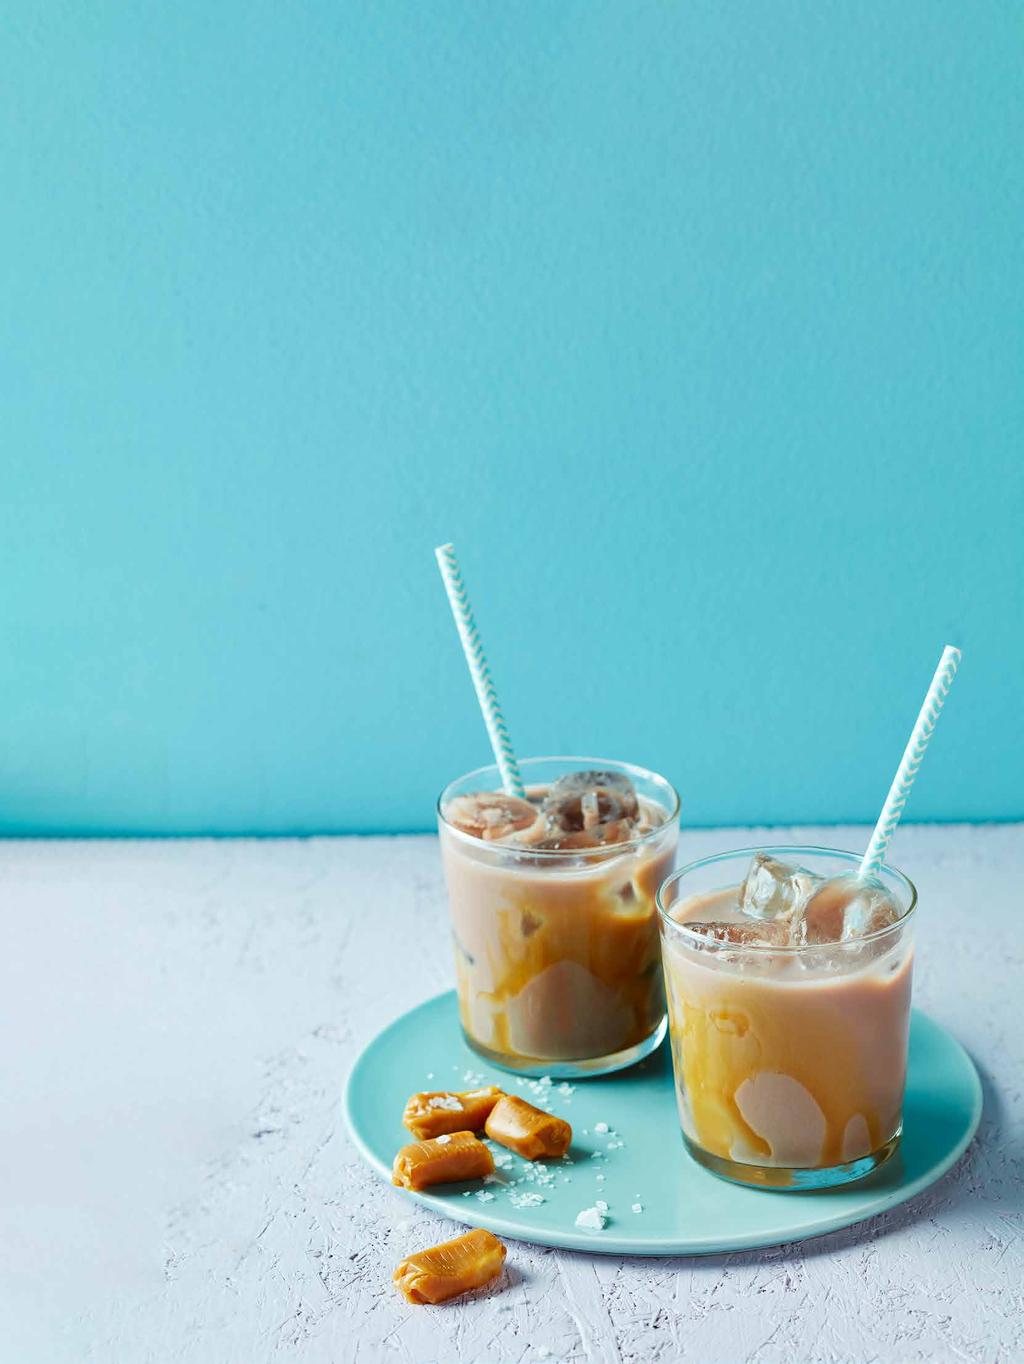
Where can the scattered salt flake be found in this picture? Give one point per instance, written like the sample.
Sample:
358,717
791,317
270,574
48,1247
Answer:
600,1179
600,1205
466,1193
638,1207
503,1160
545,1081
526,1200
443,1139
430,1074
597,1155
591,1219
566,1088
600,1127
614,1145
451,1103
493,1179
485,1196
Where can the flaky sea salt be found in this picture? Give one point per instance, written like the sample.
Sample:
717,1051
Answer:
526,1200
638,1207
600,1205
601,1127
450,1103
590,1219
485,1196
443,1139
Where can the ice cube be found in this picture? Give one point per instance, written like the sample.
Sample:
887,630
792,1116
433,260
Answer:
846,907
490,815
776,890
600,836
587,781
762,933
584,801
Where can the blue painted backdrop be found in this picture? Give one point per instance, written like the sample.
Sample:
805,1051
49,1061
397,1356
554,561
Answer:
696,326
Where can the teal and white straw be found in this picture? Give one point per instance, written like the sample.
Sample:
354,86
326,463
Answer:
478,669
907,770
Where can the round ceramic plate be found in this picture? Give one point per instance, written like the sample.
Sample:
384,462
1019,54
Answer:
627,1150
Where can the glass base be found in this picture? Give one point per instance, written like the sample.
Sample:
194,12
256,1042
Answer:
571,1070
796,1178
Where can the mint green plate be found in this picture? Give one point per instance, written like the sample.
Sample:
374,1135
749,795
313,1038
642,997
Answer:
685,1209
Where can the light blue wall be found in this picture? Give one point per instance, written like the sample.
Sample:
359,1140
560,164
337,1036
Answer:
696,326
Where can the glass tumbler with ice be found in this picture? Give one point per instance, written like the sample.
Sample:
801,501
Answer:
552,901
788,979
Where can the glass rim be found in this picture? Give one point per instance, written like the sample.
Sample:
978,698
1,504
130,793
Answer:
593,764
706,944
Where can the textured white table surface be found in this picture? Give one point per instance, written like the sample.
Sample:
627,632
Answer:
176,1182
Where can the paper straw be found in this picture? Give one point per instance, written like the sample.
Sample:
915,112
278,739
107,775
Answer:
907,770
478,669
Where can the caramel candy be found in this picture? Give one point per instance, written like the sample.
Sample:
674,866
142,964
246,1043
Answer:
527,1130
442,1160
452,1268
428,1115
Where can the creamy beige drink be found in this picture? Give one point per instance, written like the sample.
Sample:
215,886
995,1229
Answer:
553,913
789,1001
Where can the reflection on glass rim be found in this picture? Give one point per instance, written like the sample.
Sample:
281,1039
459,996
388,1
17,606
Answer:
709,944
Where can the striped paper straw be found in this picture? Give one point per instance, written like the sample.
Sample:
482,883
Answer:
478,669
907,770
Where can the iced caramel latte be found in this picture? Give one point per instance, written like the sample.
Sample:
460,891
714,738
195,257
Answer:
552,899
788,981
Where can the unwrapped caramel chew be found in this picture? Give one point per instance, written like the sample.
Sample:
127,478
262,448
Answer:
428,1115
527,1130
447,1270
442,1160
